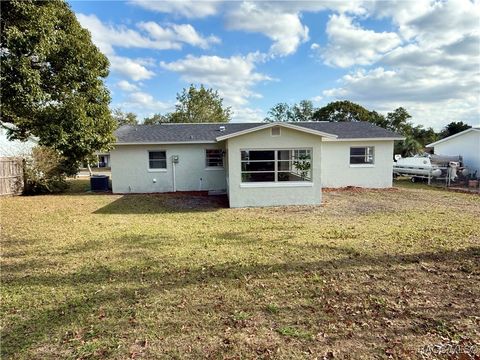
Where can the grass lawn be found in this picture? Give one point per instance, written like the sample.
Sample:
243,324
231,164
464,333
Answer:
370,274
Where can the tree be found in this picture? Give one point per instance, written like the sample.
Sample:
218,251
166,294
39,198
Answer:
397,120
282,112
123,118
52,81
453,128
303,111
156,119
424,136
200,106
342,111
279,113
407,147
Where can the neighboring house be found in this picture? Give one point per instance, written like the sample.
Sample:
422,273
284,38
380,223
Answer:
15,148
466,144
103,159
257,164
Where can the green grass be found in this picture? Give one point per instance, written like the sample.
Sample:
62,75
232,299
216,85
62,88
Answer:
366,275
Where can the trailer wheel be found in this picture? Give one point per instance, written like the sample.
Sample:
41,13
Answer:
413,179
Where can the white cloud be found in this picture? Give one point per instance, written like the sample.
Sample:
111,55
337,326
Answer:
283,27
429,93
246,114
154,36
145,103
349,44
356,7
233,77
127,86
130,68
429,65
106,37
187,8
185,33
432,23
281,21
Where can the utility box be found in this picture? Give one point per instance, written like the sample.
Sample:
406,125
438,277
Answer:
99,183
175,159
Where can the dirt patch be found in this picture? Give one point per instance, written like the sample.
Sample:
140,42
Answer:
195,202
355,189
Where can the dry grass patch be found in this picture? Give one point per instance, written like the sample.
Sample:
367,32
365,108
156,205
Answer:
371,274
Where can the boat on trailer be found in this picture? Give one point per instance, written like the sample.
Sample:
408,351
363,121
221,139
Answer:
430,166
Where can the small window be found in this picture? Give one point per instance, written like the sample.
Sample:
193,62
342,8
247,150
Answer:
362,155
157,159
276,131
214,158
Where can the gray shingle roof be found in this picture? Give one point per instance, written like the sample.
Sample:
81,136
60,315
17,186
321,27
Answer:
208,132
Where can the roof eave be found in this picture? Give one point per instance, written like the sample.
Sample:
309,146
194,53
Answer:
166,142
269,125
369,139
452,136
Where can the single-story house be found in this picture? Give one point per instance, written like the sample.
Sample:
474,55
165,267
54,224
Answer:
256,164
465,144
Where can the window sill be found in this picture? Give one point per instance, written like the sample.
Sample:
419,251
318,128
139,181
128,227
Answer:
156,170
214,168
362,165
276,184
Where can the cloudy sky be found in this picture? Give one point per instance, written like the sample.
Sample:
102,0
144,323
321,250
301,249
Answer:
422,55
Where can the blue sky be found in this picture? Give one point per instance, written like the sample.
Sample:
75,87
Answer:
422,55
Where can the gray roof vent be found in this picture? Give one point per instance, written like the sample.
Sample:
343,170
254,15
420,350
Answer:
221,128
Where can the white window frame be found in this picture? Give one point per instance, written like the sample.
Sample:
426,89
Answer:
276,182
207,167
368,154
157,169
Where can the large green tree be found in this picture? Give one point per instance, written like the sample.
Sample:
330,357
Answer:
398,121
283,112
342,111
453,128
303,111
200,105
157,119
52,80
124,118
348,111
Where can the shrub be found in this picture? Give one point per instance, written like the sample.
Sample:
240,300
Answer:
44,172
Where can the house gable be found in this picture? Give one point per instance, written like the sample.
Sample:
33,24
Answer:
477,129
280,125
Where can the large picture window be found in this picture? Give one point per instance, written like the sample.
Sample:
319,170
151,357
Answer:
157,159
214,158
362,155
276,165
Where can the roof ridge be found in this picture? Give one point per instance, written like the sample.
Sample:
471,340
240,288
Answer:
203,123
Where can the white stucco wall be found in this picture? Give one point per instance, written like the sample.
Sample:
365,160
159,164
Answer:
130,173
337,171
467,145
273,194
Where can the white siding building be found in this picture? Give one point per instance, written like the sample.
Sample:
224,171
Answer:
465,144
255,164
